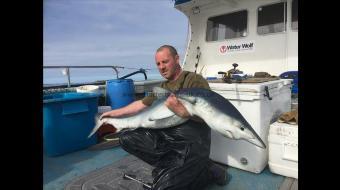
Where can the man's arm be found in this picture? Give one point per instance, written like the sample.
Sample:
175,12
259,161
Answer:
130,109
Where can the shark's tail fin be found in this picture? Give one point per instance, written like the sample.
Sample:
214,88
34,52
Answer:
96,127
116,123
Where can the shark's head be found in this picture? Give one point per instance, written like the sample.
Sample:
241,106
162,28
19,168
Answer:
219,114
237,129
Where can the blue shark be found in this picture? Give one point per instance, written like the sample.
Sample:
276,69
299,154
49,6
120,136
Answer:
216,111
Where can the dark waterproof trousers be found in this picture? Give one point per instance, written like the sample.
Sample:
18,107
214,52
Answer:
180,154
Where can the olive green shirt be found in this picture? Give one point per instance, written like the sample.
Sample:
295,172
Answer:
185,80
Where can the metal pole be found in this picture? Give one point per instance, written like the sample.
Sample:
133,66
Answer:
68,77
125,176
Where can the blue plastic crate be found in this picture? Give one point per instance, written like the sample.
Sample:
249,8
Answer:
67,121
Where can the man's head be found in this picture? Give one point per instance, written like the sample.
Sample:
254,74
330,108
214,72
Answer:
167,61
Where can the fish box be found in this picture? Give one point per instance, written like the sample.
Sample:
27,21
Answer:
260,104
283,149
68,119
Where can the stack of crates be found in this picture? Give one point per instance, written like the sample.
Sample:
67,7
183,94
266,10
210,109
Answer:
283,149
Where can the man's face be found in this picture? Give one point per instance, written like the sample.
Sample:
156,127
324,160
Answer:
167,64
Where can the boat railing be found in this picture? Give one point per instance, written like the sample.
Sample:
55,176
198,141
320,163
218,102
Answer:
114,68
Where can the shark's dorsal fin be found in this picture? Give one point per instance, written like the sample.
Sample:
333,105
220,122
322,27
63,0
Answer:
161,114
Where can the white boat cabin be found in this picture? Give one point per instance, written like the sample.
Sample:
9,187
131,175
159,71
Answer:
258,35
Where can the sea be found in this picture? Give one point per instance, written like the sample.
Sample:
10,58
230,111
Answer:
84,75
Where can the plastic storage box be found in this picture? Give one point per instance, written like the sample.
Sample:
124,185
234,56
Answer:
283,149
67,121
260,104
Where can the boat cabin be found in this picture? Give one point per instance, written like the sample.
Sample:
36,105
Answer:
258,35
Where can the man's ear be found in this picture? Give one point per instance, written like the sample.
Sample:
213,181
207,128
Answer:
177,59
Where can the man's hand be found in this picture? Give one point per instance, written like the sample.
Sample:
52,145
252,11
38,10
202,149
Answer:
130,109
108,114
176,106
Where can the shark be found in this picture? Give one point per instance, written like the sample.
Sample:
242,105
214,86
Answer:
216,111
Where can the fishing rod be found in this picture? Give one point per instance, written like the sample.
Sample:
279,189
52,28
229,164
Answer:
197,57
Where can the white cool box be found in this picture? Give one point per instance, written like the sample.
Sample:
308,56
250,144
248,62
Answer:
283,149
260,104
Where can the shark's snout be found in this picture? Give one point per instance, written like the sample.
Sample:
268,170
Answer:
256,140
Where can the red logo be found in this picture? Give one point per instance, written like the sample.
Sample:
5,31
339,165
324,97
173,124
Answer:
223,49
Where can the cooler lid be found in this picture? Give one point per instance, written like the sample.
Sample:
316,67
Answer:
251,91
251,87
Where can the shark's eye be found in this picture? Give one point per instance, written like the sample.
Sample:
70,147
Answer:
242,128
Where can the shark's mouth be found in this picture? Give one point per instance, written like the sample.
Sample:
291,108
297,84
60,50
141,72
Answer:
257,142
106,129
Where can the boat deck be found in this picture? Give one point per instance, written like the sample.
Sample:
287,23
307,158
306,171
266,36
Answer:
58,171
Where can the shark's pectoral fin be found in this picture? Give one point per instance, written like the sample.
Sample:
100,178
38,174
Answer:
159,119
227,134
161,114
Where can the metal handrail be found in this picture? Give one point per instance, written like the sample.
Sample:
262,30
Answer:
85,66
133,73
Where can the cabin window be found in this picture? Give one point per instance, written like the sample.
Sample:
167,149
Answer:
228,26
272,18
295,15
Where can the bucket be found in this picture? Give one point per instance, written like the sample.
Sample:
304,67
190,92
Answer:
119,92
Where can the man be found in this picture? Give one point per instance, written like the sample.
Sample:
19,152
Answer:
180,154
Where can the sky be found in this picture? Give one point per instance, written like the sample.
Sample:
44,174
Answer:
110,32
